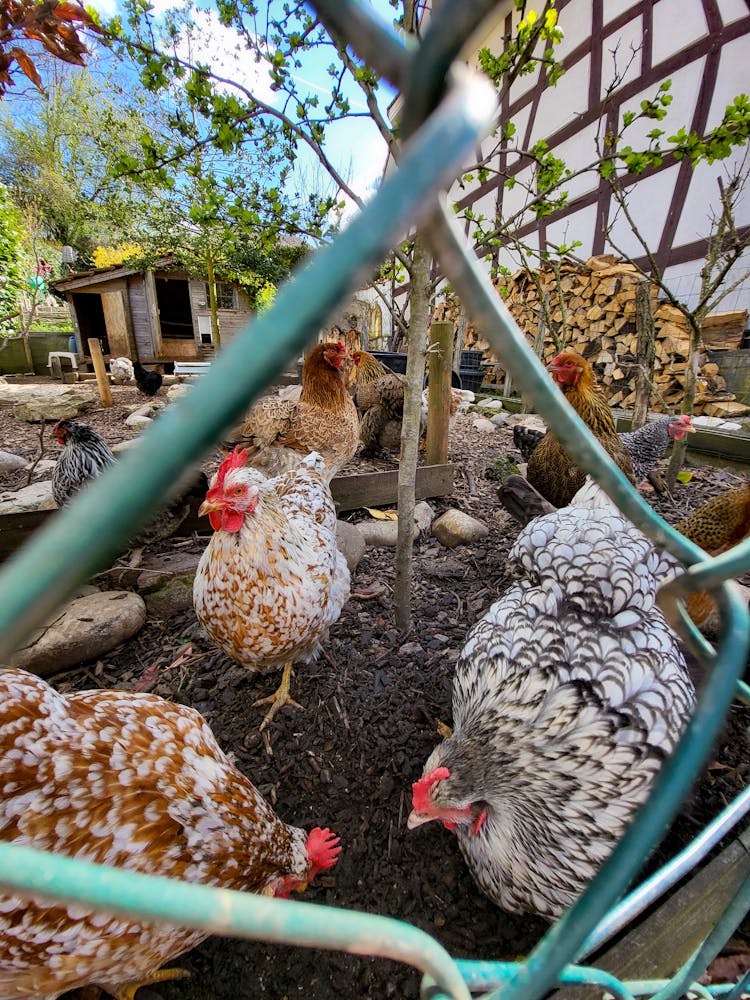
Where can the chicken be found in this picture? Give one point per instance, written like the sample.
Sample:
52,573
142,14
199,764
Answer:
551,470
148,382
133,781
646,445
278,433
86,455
121,370
568,695
272,581
379,396
723,521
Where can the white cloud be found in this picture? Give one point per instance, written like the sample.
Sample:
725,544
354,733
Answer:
224,51
367,158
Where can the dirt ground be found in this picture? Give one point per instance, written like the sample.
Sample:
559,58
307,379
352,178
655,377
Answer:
371,707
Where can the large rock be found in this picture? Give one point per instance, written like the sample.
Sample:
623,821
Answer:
382,533
350,543
166,582
89,627
10,462
38,496
454,527
35,403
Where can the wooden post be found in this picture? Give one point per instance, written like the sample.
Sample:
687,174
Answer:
102,379
440,354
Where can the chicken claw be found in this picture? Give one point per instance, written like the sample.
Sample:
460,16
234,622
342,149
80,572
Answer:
128,990
279,698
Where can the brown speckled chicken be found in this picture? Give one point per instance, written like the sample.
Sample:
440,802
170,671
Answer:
136,782
379,395
551,469
568,695
272,580
279,433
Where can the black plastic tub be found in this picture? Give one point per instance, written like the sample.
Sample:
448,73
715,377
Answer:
471,359
472,378
397,363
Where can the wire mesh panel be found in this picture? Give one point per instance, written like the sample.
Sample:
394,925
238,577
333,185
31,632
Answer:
447,112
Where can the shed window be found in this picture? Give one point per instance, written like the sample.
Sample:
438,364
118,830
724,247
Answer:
226,296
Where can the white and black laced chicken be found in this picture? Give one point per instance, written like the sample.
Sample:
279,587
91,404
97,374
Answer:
86,455
568,695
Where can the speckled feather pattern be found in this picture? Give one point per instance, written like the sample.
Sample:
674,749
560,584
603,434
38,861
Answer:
568,695
647,445
268,593
279,433
128,780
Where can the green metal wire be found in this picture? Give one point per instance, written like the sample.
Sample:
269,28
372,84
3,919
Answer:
222,911
61,556
82,538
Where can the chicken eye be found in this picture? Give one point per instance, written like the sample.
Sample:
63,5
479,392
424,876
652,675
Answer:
239,490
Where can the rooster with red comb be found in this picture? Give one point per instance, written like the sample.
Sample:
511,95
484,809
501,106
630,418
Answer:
272,580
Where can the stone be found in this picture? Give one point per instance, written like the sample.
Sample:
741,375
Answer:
11,463
37,496
144,409
500,468
138,421
176,391
35,403
492,404
124,445
165,581
499,419
484,426
170,598
381,533
43,468
87,628
454,527
351,544
423,515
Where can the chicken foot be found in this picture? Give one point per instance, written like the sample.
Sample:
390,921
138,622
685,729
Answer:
279,698
128,990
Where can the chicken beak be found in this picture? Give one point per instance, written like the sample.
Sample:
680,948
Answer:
417,819
208,506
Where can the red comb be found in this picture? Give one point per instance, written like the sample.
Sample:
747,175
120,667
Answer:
340,346
234,461
323,849
420,790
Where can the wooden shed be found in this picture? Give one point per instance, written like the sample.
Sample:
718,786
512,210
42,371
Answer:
154,315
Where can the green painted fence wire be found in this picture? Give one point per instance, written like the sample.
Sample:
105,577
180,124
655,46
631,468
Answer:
82,539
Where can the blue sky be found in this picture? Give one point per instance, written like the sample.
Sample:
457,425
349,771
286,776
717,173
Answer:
355,146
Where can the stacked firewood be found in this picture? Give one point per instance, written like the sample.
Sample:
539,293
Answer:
592,309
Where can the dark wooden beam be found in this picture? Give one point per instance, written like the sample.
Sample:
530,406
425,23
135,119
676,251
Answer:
667,937
372,489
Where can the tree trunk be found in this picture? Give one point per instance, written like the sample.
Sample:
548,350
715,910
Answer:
691,378
646,351
407,472
212,300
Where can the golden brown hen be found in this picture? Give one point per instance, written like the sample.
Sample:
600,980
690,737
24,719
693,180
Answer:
722,522
136,782
279,433
551,469
379,395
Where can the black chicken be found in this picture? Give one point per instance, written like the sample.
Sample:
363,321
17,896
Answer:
86,455
149,382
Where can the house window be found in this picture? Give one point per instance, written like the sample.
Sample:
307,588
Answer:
226,296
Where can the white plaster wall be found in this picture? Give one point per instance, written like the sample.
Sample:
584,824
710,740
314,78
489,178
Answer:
622,56
676,25
731,10
648,206
578,226
613,8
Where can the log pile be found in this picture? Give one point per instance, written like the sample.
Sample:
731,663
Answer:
592,309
